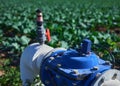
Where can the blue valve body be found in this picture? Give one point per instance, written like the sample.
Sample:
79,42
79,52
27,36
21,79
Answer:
72,68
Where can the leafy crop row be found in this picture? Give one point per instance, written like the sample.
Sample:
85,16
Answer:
69,23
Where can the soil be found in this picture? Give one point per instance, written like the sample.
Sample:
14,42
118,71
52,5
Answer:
2,72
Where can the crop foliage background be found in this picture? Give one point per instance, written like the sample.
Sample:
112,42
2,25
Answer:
69,22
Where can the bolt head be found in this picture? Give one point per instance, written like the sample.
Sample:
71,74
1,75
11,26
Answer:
47,82
108,63
81,76
59,65
75,71
98,75
52,58
46,68
95,68
74,84
57,76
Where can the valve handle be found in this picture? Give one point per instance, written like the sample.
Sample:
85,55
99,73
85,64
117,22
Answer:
48,35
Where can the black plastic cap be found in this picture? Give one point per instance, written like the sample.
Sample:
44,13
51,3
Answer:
38,11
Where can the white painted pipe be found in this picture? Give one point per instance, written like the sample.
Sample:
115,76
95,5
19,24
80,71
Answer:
31,60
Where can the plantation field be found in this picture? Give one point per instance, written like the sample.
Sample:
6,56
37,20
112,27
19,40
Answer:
69,22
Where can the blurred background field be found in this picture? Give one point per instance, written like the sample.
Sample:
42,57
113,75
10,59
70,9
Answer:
69,22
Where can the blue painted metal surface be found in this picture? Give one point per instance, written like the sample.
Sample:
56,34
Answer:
72,68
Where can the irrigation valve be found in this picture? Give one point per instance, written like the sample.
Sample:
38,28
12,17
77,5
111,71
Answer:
65,67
